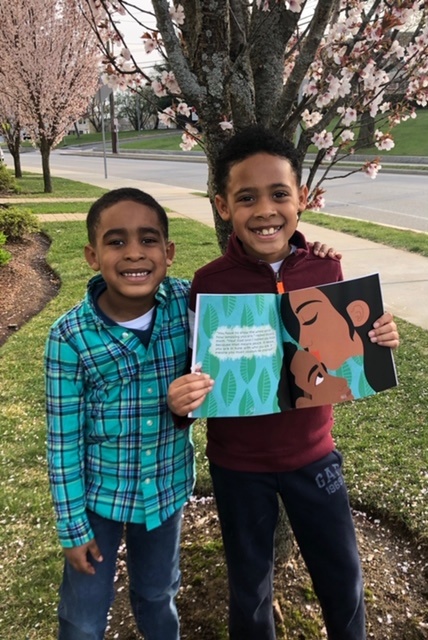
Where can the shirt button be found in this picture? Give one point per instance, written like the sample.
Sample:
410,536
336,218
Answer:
148,452
125,334
149,390
149,423
147,480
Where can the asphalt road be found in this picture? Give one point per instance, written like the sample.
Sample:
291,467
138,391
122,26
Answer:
397,199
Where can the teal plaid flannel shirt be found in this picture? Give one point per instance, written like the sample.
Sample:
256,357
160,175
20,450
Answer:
111,443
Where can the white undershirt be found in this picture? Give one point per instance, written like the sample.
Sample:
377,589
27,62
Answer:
276,266
141,323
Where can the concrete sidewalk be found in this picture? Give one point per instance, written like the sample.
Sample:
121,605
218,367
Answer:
404,276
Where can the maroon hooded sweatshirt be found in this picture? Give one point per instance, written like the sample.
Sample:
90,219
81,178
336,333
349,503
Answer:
282,441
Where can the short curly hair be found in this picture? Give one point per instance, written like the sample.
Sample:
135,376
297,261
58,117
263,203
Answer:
119,195
248,142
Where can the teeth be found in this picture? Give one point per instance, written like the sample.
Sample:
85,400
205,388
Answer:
267,232
135,275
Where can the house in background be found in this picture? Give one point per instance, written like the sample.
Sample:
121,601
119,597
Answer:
81,127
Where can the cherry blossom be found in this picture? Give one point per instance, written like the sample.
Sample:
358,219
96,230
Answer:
311,119
383,140
347,135
49,66
177,14
323,140
167,117
347,65
372,168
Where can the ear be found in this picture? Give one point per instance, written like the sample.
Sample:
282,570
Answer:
359,312
303,199
170,253
222,208
91,257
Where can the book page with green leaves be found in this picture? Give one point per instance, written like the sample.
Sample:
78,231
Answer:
237,342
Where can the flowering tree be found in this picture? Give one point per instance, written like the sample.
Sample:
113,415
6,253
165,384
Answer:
316,76
49,67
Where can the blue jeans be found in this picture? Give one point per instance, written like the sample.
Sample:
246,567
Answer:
316,501
154,579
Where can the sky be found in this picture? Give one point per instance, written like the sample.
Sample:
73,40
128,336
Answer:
133,32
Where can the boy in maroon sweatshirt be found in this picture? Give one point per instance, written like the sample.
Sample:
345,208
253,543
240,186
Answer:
253,460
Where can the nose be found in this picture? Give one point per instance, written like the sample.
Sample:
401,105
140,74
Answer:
265,208
134,250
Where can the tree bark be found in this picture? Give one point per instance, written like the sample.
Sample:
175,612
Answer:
45,153
14,147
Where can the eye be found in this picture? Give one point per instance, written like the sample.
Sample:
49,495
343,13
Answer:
246,198
149,241
311,321
319,379
115,242
279,195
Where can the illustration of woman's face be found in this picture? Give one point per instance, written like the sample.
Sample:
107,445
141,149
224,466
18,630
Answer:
323,330
320,387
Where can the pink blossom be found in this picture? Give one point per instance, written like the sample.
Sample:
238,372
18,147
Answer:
316,200
323,140
226,125
183,109
330,155
192,131
372,168
311,88
311,119
347,135
167,117
158,89
295,5
149,45
263,5
177,14
188,142
383,141
168,79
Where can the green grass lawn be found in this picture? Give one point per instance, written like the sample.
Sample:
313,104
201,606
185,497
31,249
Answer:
384,439
412,241
31,184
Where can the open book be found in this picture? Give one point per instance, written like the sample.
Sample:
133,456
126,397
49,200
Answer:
274,352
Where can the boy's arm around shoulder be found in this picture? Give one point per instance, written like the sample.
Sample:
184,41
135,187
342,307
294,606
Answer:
65,413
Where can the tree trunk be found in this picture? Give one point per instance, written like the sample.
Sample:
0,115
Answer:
17,165
366,133
45,153
14,149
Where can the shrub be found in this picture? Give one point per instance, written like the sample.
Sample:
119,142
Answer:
5,256
7,181
15,222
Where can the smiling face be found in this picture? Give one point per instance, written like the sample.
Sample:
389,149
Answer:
132,254
323,330
262,201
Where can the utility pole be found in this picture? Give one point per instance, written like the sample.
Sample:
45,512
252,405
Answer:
113,125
